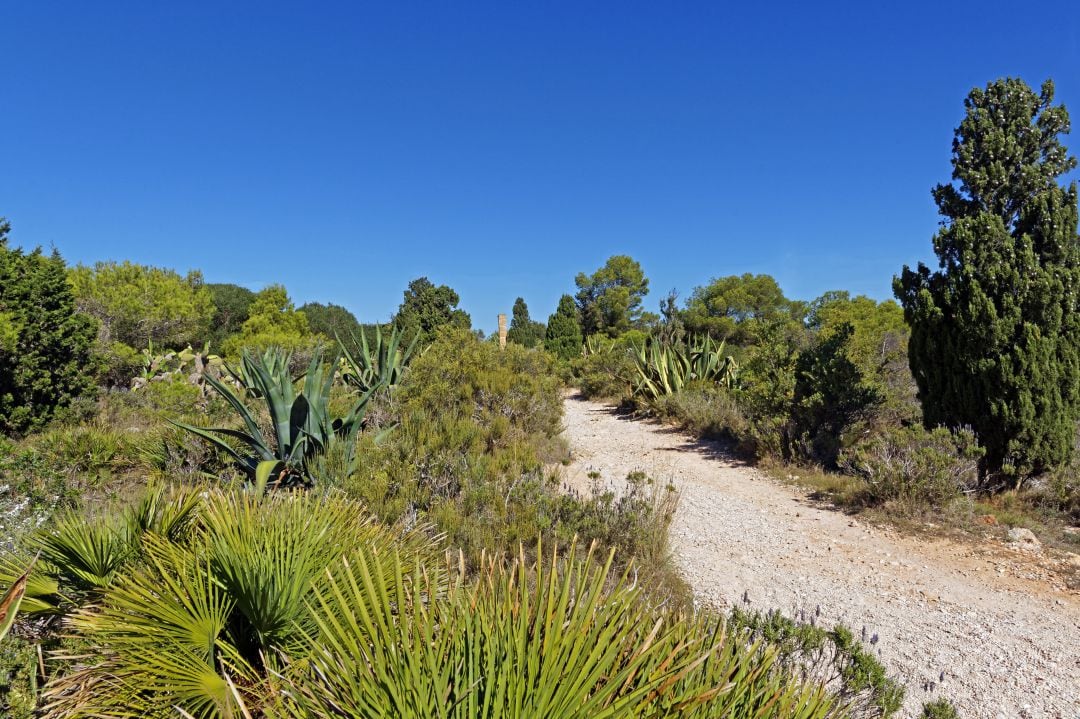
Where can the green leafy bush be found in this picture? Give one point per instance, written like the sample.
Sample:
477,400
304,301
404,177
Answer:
706,410
915,467
829,397
939,709
466,453
607,368
44,342
830,657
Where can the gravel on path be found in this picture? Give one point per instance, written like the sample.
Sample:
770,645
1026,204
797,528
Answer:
953,620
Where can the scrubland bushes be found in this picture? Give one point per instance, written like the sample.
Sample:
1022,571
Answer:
216,602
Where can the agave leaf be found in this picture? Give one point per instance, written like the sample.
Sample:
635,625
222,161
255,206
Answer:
9,603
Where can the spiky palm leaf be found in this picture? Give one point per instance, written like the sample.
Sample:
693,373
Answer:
561,639
223,604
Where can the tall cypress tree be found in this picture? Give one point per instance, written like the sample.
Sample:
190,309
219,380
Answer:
995,334
563,338
523,330
45,350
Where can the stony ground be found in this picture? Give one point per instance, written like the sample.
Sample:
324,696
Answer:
996,626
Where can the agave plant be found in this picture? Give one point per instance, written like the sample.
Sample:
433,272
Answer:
597,344
381,365
301,422
12,598
665,369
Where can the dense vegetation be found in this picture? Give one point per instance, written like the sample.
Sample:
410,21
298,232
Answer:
233,506
995,331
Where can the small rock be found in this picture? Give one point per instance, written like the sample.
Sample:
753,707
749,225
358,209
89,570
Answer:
1025,539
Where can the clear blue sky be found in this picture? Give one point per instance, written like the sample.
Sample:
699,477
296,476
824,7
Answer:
345,148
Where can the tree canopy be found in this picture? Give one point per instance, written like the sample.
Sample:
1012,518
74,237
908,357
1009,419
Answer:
273,321
995,330
232,304
610,299
735,308
331,320
425,307
138,304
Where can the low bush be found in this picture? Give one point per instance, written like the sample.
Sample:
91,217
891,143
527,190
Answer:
607,369
914,467
476,430
833,658
706,410
939,709
32,487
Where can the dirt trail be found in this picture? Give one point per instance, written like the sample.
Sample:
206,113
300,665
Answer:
1006,639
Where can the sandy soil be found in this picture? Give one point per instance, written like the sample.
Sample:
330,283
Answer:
987,618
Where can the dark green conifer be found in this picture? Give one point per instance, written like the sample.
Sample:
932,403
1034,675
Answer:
995,334
563,338
44,342
523,330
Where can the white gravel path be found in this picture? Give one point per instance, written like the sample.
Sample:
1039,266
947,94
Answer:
1006,638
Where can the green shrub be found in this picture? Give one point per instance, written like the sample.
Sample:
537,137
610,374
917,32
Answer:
94,449
939,709
44,342
606,368
914,467
18,677
1059,491
31,487
830,395
471,423
833,658
555,639
706,410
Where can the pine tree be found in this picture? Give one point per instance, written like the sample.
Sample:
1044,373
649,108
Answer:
563,338
995,331
44,342
426,307
523,330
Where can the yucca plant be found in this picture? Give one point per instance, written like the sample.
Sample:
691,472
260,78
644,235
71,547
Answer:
381,365
558,639
302,426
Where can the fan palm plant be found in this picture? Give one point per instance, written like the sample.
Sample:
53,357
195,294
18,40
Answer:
301,422
78,559
222,605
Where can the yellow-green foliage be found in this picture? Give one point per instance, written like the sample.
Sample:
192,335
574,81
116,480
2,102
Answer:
273,321
136,304
203,586
607,368
466,452
212,603
555,639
